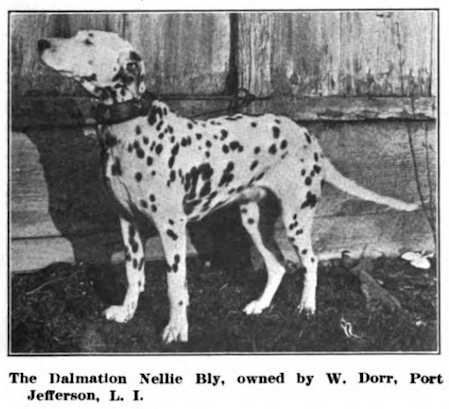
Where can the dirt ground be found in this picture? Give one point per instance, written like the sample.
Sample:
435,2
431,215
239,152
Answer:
59,310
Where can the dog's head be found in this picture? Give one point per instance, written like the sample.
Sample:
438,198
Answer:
105,64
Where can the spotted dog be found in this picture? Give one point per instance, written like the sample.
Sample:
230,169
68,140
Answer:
173,170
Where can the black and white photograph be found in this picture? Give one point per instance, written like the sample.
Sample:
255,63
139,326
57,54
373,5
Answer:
229,182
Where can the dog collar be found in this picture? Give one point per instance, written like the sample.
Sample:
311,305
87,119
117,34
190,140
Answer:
123,111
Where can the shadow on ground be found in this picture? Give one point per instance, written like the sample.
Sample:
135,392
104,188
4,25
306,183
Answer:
59,310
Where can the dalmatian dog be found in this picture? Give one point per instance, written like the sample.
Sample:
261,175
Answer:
173,170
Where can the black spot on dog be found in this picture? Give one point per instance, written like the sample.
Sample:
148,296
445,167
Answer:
172,234
138,176
307,135
161,136
227,175
257,150
159,125
154,208
208,144
276,132
304,252
135,263
308,181
149,160
186,141
140,153
225,149
144,204
284,144
174,152
159,148
170,221
172,176
253,165
311,201
152,198
272,149
277,121
145,140
116,168
303,172
317,168
138,130
205,190
198,136
189,125
298,232
315,156
253,124
154,115
235,145
224,134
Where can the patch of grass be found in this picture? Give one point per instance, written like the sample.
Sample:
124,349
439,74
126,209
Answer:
65,314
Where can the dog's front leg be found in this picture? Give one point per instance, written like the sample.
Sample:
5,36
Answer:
135,273
173,237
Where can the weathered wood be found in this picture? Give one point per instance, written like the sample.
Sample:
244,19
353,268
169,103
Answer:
338,53
183,52
56,191
45,112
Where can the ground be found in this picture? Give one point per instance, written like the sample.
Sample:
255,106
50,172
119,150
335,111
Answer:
59,310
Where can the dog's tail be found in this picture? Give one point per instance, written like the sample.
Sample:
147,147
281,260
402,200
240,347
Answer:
334,177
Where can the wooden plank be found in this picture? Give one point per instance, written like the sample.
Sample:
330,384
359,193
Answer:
44,112
338,53
386,234
183,52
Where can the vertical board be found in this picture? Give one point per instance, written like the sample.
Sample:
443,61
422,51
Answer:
183,52
338,53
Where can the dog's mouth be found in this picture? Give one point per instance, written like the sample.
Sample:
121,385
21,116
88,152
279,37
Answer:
64,72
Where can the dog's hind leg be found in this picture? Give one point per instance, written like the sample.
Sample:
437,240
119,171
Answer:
298,222
271,255
135,273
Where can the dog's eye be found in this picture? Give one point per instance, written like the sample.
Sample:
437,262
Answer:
131,66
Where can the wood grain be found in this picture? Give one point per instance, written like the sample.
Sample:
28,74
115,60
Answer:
339,53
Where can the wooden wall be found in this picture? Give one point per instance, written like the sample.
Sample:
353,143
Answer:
365,82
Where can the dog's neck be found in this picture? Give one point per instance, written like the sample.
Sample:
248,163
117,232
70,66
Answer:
118,92
121,103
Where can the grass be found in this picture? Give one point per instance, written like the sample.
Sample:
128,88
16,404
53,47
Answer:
59,310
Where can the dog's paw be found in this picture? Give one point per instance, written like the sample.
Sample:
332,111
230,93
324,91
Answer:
307,307
176,331
118,313
255,307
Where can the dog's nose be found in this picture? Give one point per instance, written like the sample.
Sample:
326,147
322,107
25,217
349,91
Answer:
42,45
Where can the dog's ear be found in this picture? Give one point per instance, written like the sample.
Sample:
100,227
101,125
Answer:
136,68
